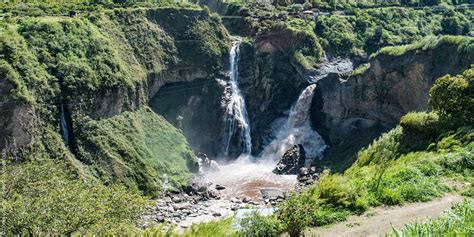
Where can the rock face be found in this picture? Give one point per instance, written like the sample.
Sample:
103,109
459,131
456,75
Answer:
360,107
195,108
270,85
292,161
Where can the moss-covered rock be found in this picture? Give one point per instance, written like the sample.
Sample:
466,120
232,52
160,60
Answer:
140,149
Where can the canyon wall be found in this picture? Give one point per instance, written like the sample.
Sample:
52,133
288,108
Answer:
349,111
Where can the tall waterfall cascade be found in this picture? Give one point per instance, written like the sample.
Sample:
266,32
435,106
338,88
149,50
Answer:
297,130
236,119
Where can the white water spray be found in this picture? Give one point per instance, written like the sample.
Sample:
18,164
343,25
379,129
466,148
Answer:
297,130
236,112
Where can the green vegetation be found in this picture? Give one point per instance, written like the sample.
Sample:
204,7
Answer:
463,44
109,57
357,31
140,149
411,163
452,97
259,226
372,29
46,197
459,221
221,227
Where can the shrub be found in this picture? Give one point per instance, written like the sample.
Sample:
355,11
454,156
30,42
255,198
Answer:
296,213
386,147
328,215
44,198
213,228
257,225
338,191
390,196
452,97
419,130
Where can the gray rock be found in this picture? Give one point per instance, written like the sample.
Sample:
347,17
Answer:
246,200
176,199
292,161
272,193
219,187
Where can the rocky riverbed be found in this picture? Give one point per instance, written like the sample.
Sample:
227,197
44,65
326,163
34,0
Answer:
205,204
223,190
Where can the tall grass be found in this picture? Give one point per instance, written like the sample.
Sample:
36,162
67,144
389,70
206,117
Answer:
459,221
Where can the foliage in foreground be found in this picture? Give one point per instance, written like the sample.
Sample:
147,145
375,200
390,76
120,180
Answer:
221,227
44,197
459,221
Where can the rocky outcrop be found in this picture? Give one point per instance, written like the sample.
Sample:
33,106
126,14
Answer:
292,161
195,108
270,85
346,108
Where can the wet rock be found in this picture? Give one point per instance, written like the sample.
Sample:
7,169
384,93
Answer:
206,164
272,194
160,219
202,189
176,199
303,171
219,187
246,200
292,161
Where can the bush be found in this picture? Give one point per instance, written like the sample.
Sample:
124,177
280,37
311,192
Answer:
338,191
419,130
259,226
327,215
45,198
296,213
213,228
385,148
452,97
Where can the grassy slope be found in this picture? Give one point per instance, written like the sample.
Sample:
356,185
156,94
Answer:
136,148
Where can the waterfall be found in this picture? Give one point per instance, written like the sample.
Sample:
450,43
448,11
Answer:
236,118
63,124
297,130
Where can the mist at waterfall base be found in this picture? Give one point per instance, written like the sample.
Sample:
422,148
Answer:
247,175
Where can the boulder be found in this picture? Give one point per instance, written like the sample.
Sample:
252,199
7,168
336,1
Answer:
272,194
292,161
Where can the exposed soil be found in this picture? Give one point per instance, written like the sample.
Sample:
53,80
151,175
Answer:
379,221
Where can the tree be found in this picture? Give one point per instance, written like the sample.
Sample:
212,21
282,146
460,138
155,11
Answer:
454,23
452,97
